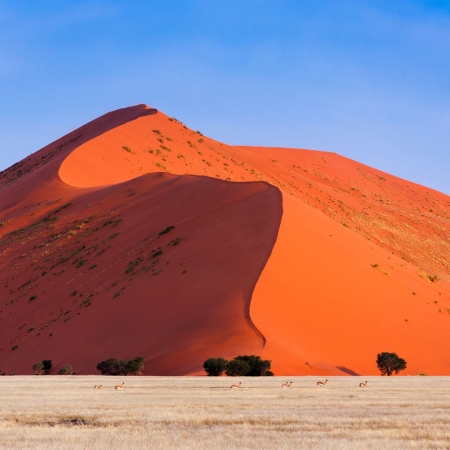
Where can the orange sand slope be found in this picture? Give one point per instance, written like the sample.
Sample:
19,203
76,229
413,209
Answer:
360,264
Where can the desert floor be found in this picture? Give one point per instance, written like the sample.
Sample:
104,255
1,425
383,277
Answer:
65,412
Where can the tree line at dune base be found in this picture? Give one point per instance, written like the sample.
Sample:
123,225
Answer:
254,366
243,365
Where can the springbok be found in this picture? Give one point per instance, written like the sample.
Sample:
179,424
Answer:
119,386
98,386
287,384
236,386
321,383
362,384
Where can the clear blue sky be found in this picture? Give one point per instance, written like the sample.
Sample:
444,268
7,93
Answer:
367,79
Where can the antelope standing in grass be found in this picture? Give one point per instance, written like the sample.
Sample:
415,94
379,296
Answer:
236,386
119,386
98,386
321,383
362,384
287,384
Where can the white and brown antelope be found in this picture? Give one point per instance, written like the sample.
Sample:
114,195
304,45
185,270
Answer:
236,386
119,386
287,384
362,384
321,383
98,386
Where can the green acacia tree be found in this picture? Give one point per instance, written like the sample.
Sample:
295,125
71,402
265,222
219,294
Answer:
135,366
107,366
215,367
389,363
115,366
237,368
258,367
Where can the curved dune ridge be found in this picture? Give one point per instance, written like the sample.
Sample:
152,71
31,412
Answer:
358,265
95,273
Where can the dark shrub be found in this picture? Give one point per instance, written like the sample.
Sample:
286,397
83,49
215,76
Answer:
136,366
115,366
215,367
167,230
107,367
47,363
237,368
258,367
390,362
66,370
38,368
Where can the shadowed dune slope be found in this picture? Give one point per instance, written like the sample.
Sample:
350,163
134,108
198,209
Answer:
89,274
360,265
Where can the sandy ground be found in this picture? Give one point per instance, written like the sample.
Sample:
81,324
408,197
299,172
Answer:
201,413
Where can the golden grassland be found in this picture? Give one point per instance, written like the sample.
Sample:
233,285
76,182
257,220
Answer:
65,412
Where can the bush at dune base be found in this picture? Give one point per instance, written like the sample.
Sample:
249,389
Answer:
115,366
244,365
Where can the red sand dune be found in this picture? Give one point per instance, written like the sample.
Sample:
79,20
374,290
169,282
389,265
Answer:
358,265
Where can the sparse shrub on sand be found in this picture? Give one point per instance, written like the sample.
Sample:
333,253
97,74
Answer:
428,277
166,230
161,166
389,363
215,367
38,368
66,370
127,149
132,265
44,365
175,241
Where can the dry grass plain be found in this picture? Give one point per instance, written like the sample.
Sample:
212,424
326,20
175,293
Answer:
65,412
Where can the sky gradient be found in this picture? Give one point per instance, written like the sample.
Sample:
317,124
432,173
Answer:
367,80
